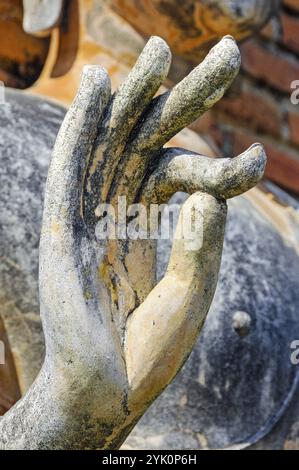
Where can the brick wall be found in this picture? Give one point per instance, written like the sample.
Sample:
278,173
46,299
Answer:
258,107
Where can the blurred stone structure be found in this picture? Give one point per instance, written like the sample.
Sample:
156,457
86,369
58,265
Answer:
22,55
193,25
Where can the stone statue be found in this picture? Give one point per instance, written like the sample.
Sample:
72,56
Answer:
114,338
239,387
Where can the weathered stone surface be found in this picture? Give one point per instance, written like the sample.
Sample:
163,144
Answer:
253,300
114,338
198,409
110,334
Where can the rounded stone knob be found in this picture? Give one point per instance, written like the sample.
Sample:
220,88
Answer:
241,323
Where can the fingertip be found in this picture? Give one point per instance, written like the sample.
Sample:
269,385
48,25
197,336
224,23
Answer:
159,42
160,50
95,74
256,155
94,70
228,52
228,37
94,90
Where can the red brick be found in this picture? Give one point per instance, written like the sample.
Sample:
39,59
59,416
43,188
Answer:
283,162
267,32
277,70
287,35
290,26
283,166
204,123
293,119
255,109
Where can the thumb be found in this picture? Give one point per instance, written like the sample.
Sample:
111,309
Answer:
160,334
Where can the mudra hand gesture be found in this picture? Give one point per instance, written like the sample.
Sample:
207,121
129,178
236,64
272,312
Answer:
115,338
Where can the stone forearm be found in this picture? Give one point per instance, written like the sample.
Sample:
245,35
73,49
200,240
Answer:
62,411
